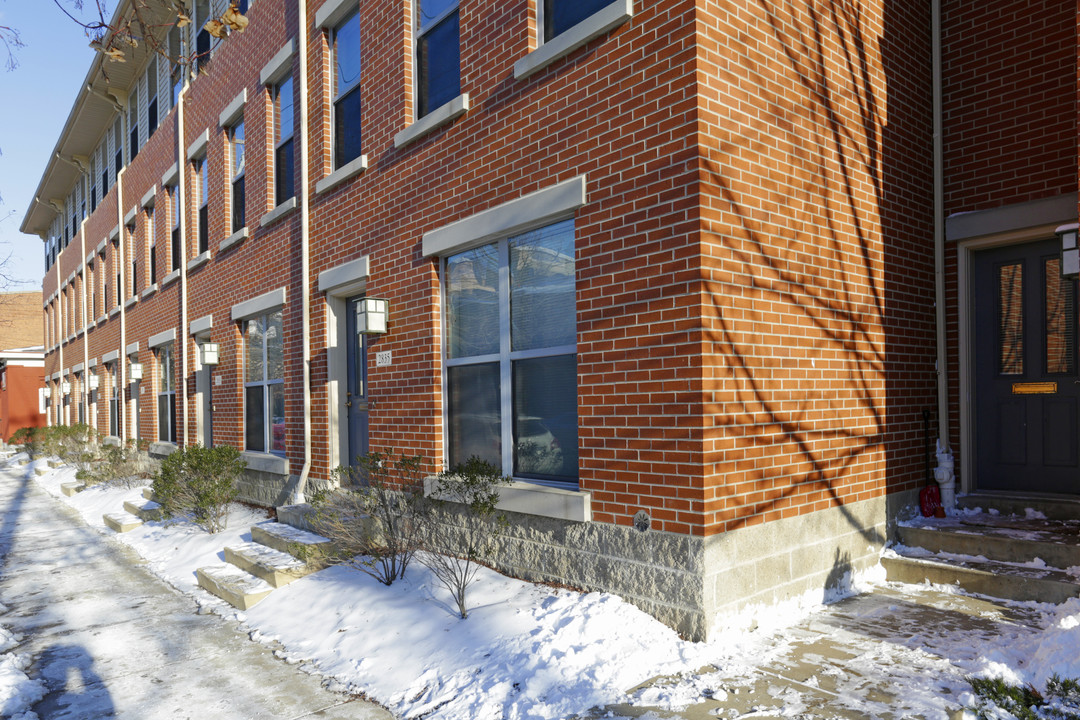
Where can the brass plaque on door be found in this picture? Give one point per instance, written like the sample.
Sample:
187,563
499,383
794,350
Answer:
1034,388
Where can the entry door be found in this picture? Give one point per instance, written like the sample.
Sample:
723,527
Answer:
356,403
1026,391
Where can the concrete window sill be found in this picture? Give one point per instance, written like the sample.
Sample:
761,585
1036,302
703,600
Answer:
530,499
442,115
343,173
234,239
198,260
279,212
266,462
171,277
114,312
149,291
600,22
131,301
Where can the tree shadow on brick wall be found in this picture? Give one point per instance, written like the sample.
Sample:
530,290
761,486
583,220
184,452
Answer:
822,244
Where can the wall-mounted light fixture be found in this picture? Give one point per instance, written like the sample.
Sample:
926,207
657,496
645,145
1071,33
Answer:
209,353
372,316
135,371
95,382
65,387
47,391
1070,252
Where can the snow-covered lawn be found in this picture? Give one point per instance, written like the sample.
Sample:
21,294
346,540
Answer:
530,651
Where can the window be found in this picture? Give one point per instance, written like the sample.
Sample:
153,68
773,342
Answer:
118,148
176,57
283,143
151,97
133,122
511,355
93,182
104,172
438,59
151,241
264,384
236,144
118,290
114,400
346,68
202,36
104,285
133,255
92,310
166,398
174,237
561,15
204,199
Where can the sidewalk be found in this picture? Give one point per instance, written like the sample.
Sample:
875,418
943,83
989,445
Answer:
110,640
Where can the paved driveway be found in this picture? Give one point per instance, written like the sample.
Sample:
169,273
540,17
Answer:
108,639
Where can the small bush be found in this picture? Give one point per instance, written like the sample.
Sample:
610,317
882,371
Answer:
1062,700
200,482
376,516
127,465
31,440
475,486
74,444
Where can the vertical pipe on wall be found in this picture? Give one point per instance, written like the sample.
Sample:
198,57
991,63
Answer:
939,231
183,339
305,260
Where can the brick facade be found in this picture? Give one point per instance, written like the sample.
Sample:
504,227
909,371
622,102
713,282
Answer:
754,256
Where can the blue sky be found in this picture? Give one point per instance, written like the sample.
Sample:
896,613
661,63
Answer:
35,99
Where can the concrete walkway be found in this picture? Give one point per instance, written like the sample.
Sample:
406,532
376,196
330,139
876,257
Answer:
110,640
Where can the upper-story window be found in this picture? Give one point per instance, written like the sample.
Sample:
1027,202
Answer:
176,57
438,56
346,68
104,167
175,244
561,15
151,241
203,190
118,148
133,122
151,97
202,36
284,184
236,148
133,258
93,182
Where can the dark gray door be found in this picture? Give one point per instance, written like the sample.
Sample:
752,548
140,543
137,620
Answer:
1026,391
356,402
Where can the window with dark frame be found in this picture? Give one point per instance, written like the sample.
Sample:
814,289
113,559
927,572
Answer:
284,171
264,384
561,15
152,97
204,200
166,396
438,54
114,400
133,258
133,122
118,148
175,244
176,57
511,356
202,35
236,145
345,41
151,241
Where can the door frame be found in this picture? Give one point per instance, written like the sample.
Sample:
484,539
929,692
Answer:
965,251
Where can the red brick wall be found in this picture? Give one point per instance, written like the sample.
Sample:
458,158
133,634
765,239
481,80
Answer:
817,246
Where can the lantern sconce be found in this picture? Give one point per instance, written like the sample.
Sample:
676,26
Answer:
372,316
208,353
95,382
135,371
1070,252
48,391
65,387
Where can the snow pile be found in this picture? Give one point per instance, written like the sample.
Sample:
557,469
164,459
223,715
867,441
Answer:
18,693
1036,658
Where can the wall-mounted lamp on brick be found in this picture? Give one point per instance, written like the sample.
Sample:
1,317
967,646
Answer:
372,316
65,387
208,353
95,382
135,371
1070,252
47,391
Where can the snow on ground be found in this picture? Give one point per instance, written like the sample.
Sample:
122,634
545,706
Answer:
530,651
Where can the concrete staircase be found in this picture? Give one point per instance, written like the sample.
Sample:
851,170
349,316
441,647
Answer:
253,569
135,513
1015,549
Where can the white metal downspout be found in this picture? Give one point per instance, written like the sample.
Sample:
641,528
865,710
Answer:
121,302
181,210
85,388
939,233
60,339
305,260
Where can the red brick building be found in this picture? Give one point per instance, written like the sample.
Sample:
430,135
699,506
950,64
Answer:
674,266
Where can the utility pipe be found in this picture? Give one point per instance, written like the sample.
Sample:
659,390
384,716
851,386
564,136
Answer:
939,231
181,210
305,249
121,303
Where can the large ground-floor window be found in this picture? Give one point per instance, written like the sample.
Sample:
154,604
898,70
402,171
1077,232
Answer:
264,384
511,354
166,398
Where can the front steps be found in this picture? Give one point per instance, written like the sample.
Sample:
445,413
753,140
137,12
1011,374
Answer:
255,568
1015,550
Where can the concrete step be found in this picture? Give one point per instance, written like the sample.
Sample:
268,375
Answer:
275,567
39,470
54,463
148,493
286,538
238,588
985,577
1012,540
73,487
1055,508
122,522
147,510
